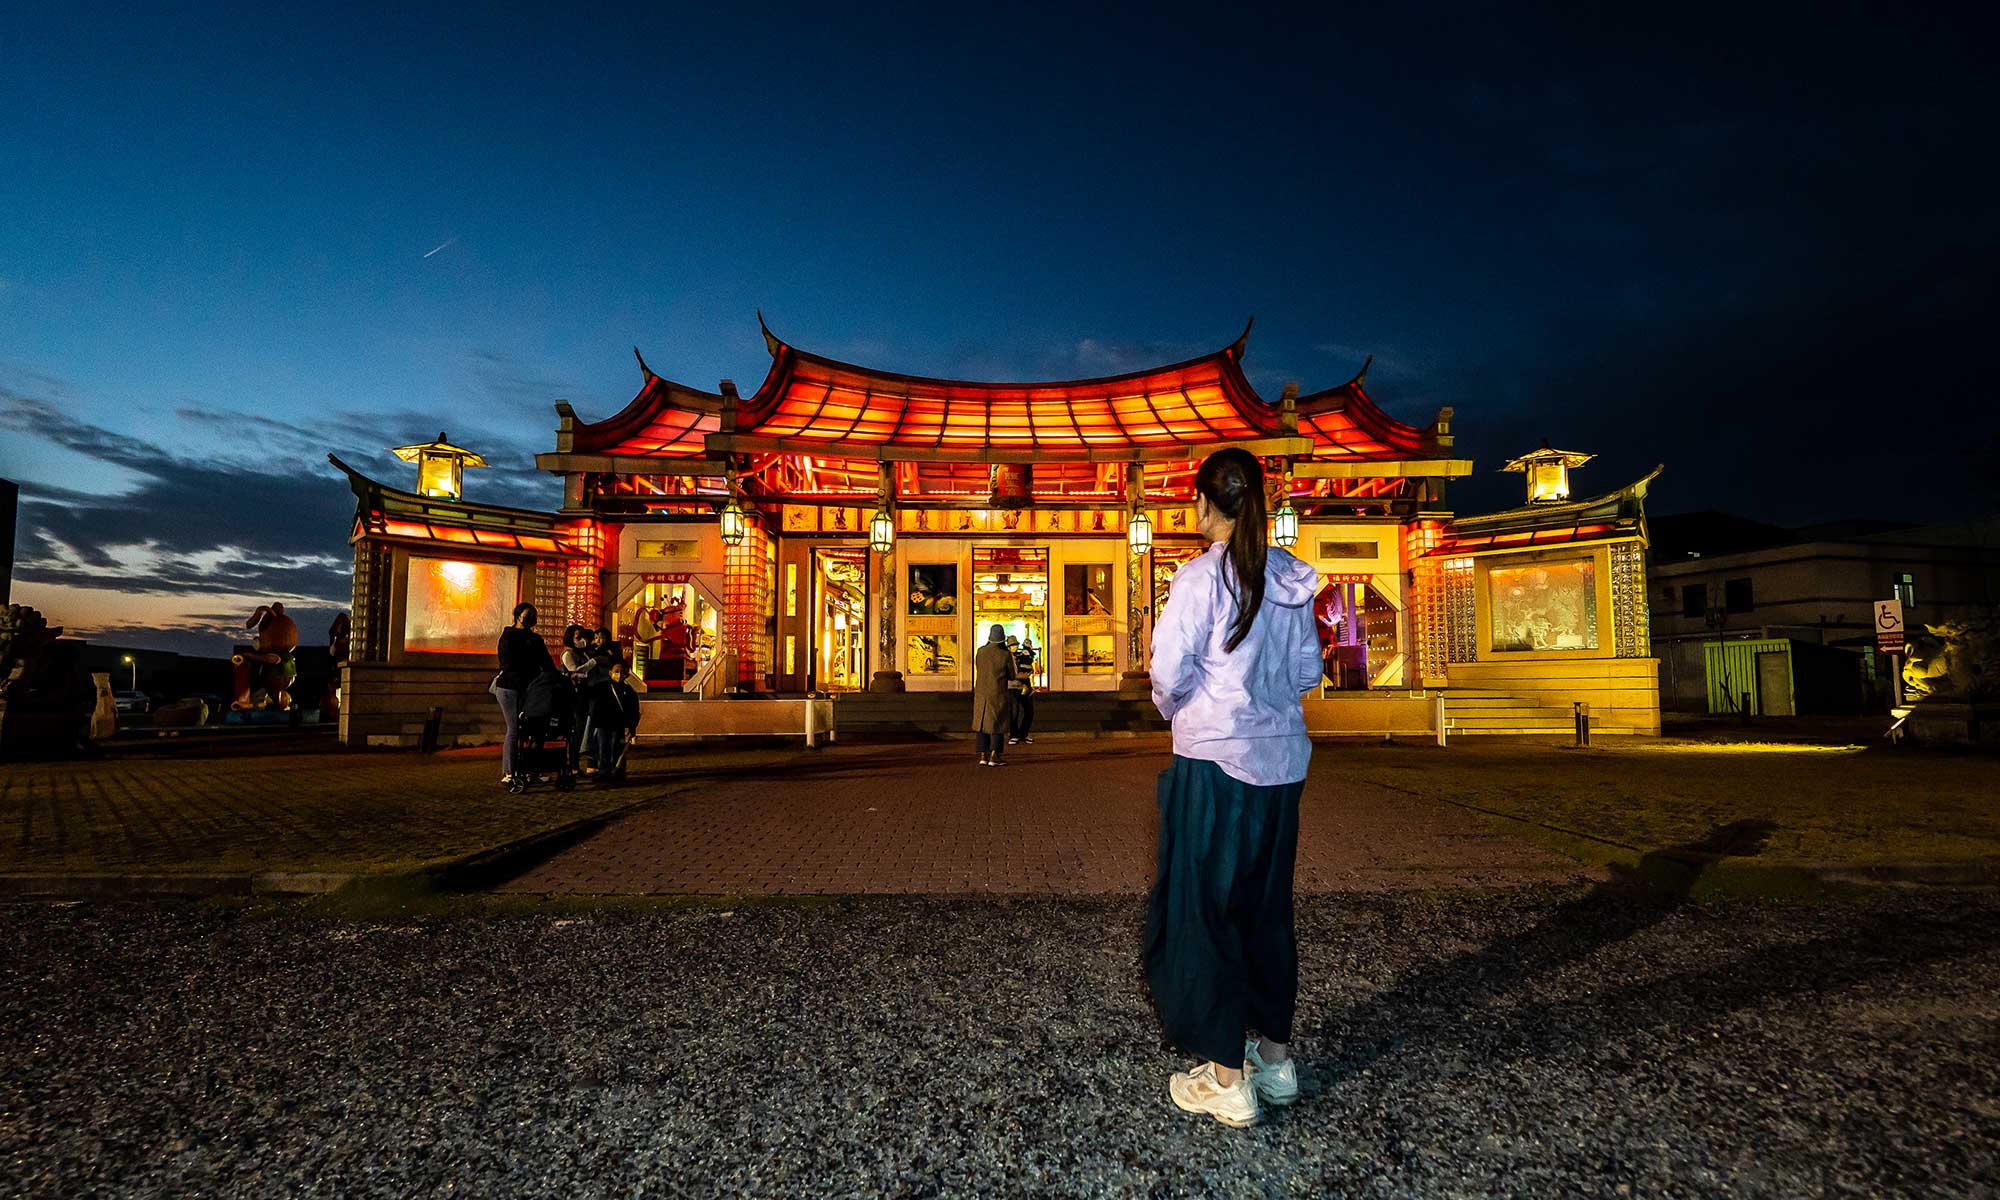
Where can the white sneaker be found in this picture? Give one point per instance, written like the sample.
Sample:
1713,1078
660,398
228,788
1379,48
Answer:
1197,1091
1275,1085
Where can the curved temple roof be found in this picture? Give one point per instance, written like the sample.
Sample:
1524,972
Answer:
815,404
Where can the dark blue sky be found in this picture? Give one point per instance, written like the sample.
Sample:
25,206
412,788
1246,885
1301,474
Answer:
1758,246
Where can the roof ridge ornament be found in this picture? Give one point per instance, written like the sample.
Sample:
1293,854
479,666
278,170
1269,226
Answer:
643,368
1361,376
771,342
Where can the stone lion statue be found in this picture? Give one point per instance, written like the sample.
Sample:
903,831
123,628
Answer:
1955,660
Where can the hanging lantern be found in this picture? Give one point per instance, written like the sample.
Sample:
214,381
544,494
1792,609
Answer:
1285,524
882,532
1140,533
733,522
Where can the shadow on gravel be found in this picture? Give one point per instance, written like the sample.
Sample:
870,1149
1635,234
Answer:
1431,1003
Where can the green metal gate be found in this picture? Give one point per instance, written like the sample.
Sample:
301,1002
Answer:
1732,672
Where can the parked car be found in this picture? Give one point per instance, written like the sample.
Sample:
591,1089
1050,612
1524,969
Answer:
132,702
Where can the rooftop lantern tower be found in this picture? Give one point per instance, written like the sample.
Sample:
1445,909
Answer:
440,467
1548,472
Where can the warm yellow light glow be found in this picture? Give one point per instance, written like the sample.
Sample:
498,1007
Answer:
127,658
1548,480
1140,535
1285,524
733,522
1738,748
1547,472
882,532
439,475
440,466
453,607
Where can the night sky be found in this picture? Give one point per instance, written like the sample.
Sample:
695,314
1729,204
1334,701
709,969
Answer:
1757,246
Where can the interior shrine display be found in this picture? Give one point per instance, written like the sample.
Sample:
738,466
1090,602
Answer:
843,527
1357,627
669,630
840,633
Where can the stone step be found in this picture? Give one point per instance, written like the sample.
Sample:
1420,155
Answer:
1512,724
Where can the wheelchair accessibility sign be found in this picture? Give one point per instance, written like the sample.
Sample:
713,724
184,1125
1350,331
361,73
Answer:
1889,626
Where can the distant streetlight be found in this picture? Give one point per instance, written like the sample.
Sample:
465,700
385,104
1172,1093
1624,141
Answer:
135,671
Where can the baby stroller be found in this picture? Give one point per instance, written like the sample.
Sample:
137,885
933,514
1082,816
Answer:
542,734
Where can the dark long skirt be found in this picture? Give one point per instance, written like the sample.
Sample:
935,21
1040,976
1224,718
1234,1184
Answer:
1219,952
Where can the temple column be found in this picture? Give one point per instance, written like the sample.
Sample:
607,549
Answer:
1137,681
886,677
746,596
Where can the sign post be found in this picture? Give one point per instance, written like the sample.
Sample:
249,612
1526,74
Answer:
1889,633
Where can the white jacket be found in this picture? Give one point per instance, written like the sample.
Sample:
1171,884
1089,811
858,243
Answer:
1239,709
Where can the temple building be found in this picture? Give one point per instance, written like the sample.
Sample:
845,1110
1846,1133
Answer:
847,530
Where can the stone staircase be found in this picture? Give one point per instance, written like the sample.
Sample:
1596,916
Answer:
936,713
1473,712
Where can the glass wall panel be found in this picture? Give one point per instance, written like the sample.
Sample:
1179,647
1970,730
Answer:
933,654
1544,606
460,607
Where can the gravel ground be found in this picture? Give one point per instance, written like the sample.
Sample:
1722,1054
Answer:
1547,1041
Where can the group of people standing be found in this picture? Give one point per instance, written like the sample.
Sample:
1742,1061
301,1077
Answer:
1003,695
603,710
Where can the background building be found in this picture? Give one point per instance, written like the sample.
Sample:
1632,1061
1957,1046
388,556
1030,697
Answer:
1803,596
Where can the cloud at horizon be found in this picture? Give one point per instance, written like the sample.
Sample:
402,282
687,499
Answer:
244,510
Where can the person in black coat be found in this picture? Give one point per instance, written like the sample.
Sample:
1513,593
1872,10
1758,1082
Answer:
523,656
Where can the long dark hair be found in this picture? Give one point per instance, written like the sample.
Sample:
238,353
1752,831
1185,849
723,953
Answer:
1232,481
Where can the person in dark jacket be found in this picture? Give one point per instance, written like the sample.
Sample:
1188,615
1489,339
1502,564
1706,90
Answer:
523,656
1023,725
614,717
601,651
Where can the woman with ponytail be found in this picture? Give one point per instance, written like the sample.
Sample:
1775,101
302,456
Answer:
1232,654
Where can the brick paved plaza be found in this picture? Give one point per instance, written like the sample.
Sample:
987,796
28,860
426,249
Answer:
1070,816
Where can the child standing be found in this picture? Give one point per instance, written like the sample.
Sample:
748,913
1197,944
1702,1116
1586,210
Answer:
614,716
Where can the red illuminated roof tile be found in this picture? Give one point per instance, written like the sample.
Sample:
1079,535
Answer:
807,398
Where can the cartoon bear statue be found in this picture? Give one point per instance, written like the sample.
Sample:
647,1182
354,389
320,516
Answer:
265,672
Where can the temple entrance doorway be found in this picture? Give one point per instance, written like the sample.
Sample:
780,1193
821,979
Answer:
1010,588
839,652
1357,632
672,624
